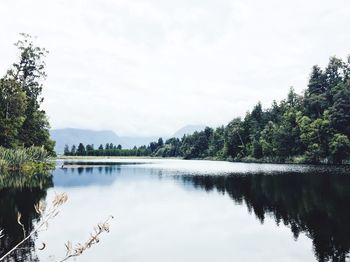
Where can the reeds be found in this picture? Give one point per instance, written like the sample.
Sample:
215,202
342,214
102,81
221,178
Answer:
17,158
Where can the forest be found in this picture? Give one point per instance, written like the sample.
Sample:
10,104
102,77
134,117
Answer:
313,127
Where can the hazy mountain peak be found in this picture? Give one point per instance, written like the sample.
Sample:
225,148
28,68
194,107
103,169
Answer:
188,130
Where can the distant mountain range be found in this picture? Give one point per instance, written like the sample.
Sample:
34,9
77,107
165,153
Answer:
74,136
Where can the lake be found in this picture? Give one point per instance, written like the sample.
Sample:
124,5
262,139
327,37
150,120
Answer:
184,210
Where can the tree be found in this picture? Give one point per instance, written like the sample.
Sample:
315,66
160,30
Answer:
13,103
315,96
29,72
216,143
81,151
160,142
234,144
195,145
267,140
340,111
315,135
73,151
340,148
333,75
66,151
89,149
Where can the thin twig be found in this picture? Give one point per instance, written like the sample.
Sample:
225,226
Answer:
80,248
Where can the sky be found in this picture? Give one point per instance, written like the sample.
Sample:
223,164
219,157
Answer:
150,67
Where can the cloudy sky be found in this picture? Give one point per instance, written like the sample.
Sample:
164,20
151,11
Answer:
149,67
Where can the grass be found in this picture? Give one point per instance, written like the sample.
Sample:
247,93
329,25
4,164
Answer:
24,159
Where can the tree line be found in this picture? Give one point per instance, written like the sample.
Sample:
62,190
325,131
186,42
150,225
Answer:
313,127
22,121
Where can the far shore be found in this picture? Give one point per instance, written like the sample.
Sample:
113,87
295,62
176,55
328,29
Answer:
59,157
250,160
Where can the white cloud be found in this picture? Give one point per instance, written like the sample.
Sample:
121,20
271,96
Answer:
149,67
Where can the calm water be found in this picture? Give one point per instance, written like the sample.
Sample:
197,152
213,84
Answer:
175,210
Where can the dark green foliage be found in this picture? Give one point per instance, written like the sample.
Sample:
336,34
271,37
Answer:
66,150
234,136
13,104
81,151
22,122
340,111
340,147
314,128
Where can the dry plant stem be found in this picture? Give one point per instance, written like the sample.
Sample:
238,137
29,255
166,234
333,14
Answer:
80,248
53,211
20,243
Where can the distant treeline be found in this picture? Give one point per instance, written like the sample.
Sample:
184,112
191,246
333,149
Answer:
313,128
108,150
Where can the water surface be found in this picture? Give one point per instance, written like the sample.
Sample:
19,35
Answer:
176,210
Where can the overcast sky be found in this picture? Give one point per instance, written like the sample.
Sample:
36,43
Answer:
149,67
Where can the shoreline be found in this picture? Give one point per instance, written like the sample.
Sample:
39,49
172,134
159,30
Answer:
248,161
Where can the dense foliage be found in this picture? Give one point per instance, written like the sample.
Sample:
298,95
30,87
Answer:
313,127
22,122
25,159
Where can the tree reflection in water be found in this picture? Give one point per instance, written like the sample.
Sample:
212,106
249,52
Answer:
19,193
315,204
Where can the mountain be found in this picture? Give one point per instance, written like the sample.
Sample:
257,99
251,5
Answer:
73,136
188,130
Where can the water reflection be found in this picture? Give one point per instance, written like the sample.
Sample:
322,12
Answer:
314,201
309,200
19,193
317,205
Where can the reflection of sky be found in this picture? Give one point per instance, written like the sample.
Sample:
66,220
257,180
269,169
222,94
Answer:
157,219
205,167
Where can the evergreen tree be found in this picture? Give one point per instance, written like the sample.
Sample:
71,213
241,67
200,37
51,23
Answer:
340,111
13,104
29,72
81,151
73,151
66,151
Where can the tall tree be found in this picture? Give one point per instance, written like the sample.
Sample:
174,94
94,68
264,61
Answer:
29,72
315,96
81,151
66,151
340,111
73,151
235,144
13,104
